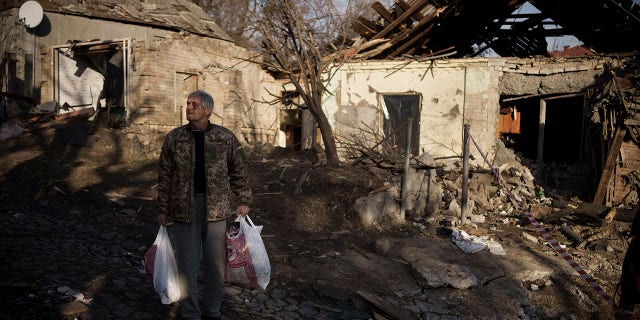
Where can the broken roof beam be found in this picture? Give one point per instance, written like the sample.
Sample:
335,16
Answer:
421,34
547,96
528,24
382,11
401,19
443,53
370,44
375,51
365,28
407,44
415,50
405,7
629,13
440,3
547,32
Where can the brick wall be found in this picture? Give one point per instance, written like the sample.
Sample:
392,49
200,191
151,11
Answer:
534,76
165,73
546,66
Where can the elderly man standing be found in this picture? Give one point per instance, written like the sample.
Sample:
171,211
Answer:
202,173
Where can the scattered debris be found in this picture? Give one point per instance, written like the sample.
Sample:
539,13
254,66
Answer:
473,244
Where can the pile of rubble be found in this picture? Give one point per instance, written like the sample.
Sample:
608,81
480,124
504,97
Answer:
24,117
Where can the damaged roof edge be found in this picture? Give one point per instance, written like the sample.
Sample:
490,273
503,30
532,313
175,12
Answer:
213,34
107,11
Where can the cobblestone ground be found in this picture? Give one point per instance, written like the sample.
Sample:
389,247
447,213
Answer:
55,266
76,223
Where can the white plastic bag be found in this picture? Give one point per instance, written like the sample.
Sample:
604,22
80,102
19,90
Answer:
160,260
248,263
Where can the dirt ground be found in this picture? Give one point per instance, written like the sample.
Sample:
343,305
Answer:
318,249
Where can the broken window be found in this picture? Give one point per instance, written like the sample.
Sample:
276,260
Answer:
17,74
401,111
93,74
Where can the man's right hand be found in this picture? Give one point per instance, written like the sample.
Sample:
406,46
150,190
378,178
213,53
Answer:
162,219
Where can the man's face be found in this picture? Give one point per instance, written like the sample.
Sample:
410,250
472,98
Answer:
195,111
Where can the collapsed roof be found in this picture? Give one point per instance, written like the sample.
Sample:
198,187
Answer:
466,28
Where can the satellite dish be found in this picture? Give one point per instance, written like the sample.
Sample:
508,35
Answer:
30,14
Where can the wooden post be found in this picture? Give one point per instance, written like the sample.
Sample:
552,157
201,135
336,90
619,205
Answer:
609,166
465,176
541,123
108,115
407,155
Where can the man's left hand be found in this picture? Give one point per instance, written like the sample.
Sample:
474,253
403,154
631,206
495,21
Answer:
242,211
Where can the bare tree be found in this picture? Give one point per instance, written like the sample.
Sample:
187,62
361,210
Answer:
294,37
342,16
292,49
236,17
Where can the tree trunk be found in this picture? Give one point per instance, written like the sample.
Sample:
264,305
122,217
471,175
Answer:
328,140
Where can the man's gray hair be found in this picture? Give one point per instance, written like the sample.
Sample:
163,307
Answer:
205,98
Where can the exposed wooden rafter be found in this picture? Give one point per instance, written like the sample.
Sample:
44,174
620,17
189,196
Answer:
420,27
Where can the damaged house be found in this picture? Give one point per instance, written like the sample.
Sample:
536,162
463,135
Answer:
438,66
129,63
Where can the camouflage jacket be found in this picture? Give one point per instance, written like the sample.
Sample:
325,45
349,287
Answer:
225,168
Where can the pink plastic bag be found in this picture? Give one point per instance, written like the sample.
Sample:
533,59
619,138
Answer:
248,263
149,260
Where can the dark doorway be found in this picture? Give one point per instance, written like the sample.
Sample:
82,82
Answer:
398,111
563,129
291,124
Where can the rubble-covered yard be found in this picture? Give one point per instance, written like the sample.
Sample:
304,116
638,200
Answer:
78,218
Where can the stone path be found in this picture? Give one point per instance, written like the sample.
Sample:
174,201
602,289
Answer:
57,267
78,258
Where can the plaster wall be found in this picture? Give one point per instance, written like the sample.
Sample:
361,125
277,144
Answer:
452,94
